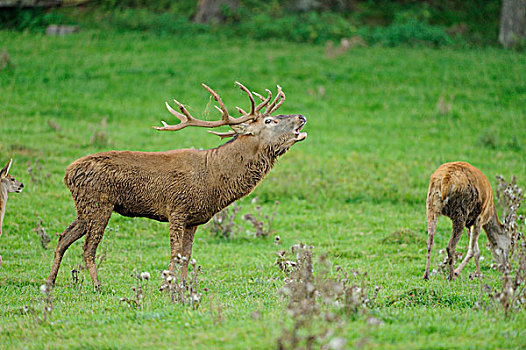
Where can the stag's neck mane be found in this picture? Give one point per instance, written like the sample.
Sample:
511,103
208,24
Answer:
238,165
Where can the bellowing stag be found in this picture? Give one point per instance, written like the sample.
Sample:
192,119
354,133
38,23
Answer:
184,187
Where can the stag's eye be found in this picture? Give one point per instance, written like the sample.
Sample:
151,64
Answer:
268,121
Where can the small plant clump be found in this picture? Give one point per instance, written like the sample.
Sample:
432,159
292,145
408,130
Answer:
42,315
43,237
137,301
222,224
99,138
182,291
317,302
511,296
261,221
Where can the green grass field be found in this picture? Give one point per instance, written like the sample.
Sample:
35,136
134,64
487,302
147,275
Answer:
376,133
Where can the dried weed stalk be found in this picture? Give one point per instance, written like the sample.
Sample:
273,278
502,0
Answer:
261,221
43,237
5,61
222,224
42,314
137,301
511,296
216,310
34,170
99,138
182,291
75,276
317,302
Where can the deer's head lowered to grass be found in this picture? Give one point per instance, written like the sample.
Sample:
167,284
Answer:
8,184
185,187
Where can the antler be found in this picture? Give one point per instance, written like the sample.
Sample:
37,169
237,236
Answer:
188,120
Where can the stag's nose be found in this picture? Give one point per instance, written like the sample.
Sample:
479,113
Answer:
302,118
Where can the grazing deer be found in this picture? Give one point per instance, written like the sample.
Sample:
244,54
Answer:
8,184
462,192
185,187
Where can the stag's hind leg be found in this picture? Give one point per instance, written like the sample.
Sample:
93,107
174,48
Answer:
96,223
431,228
458,227
74,231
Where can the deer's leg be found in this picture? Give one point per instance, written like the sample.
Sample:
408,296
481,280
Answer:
177,229
431,228
473,249
76,230
188,240
458,227
95,230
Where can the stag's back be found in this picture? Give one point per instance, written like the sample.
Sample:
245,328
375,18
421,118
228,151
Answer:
459,188
135,183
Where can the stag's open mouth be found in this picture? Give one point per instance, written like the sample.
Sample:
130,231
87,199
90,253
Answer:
300,136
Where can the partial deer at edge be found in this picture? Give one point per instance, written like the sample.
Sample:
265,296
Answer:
8,184
463,193
185,187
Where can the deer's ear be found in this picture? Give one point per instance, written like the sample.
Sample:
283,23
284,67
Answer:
242,129
5,170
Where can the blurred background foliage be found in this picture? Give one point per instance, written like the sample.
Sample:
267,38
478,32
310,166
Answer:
376,22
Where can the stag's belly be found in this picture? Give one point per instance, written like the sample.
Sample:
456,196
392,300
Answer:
463,205
150,214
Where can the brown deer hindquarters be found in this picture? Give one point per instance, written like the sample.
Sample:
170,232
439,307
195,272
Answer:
463,193
185,187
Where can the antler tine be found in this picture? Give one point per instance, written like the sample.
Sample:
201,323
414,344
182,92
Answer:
265,100
185,118
241,110
270,108
223,135
182,117
279,103
252,103
224,112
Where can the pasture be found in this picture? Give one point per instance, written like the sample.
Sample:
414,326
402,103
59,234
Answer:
380,121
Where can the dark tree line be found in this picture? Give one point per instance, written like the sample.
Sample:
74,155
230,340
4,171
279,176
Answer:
512,29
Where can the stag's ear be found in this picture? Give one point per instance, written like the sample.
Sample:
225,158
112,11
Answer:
5,170
242,129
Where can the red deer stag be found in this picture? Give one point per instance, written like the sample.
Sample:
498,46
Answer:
8,184
461,192
184,187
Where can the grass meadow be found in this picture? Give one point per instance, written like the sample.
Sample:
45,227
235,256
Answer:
380,121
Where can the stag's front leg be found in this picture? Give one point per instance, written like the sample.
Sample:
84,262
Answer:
177,229
188,240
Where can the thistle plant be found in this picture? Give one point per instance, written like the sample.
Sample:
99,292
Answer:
42,314
222,224
182,291
317,301
511,295
261,221
138,298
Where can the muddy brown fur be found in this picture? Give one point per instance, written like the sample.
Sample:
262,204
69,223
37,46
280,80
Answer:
8,184
185,187
463,193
